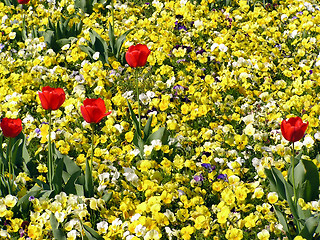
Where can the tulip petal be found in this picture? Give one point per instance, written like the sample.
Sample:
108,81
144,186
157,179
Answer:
293,129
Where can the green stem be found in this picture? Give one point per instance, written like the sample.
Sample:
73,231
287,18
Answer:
292,173
10,165
50,160
137,89
294,185
91,161
92,143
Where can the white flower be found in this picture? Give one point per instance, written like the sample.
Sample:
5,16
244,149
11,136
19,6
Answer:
198,23
140,230
284,17
96,56
12,35
130,175
223,48
65,47
144,99
135,217
308,141
183,2
147,149
72,235
317,136
102,227
59,216
152,234
128,95
214,46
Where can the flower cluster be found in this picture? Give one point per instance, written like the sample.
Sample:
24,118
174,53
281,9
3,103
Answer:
233,87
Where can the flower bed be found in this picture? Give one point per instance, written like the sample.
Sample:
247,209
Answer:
183,152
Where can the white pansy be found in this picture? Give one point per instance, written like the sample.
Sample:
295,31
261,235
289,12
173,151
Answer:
102,227
308,141
96,56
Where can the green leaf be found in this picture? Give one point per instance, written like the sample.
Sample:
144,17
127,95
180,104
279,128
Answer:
147,128
79,189
91,234
69,188
24,202
275,187
88,180
57,233
93,36
306,179
119,42
88,50
100,45
312,179
63,41
283,221
71,166
53,221
57,176
134,119
283,188
3,159
139,143
310,227
107,196
112,39
161,134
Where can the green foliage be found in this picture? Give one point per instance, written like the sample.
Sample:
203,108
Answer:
10,2
61,33
306,187
14,161
87,5
140,140
105,50
58,233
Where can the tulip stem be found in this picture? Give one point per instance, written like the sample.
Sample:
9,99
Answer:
92,151
90,177
10,165
50,160
139,110
294,185
292,173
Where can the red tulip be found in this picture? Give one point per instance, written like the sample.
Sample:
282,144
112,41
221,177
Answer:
11,127
93,110
137,55
23,1
293,129
52,98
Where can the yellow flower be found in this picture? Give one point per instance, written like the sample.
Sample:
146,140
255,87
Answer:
10,201
263,235
250,221
129,136
234,234
34,231
186,232
299,238
42,168
272,197
223,214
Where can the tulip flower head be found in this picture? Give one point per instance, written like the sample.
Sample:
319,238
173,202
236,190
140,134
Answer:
137,55
51,98
93,110
293,129
11,127
23,1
